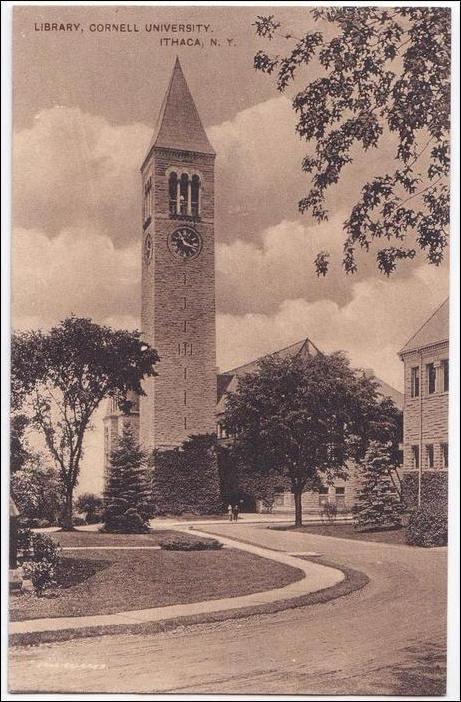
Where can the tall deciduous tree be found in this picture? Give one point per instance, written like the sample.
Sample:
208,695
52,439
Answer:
304,418
61,377
382,71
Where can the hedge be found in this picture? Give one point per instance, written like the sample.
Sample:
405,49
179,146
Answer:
434,492
427,529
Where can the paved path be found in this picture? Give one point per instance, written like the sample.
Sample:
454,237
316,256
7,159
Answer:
387,638
316,577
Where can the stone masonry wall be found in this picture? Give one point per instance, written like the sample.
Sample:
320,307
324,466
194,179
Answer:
433,409
178,312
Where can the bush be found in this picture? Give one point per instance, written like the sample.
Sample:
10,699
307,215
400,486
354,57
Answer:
24,541
184,543
45,557
427,529
434,491
93,518
78,521
38,523
129,522
41,573
45,549
329,512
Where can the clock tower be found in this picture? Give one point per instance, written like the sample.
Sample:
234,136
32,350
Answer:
178,273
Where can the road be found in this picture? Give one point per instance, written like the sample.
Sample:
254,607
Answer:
388,638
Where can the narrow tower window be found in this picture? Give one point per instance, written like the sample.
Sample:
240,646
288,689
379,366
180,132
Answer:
183,194
173,193
195,196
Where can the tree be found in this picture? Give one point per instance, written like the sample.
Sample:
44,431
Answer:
304,418
89,504
240,483
383,71
378,505
127,492
37,490
19,450
61,377
186,479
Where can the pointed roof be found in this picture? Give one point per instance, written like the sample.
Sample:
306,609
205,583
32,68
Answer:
433,331
178,124
227,381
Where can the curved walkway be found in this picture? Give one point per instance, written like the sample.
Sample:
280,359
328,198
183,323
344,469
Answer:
316,577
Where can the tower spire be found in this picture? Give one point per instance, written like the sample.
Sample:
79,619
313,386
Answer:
179,126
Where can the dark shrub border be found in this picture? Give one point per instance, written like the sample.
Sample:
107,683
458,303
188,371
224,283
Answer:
434,491
427,529
187,543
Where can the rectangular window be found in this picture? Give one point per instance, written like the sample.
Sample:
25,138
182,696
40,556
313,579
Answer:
415,382
184,303
430,376
185,373
445,369
185,326
323,495
185,422
340,491
415,457
185,397
429,456
444,452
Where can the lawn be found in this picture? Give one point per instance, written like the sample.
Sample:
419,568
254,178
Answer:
103,582
347,531
96,538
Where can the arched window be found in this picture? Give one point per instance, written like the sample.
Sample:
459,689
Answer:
173,193
184,194
195,196
147,202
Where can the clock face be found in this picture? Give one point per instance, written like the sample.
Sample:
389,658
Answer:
185,243
148,248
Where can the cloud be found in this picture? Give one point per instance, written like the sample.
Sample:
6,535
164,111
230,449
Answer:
259,275
259,175
77,272
72,169
371,328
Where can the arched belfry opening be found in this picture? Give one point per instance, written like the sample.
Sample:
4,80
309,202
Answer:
184,194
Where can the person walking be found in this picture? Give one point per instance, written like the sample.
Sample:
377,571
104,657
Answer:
230,512
235,512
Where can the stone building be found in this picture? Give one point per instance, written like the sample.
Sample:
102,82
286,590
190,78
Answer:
426,378
342,492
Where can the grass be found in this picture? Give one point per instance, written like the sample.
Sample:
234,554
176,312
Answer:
126,580
347,531
68,539
354,580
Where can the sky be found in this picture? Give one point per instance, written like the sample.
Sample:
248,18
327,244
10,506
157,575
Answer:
84,108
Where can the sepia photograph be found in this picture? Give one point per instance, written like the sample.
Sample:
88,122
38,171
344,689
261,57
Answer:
231,460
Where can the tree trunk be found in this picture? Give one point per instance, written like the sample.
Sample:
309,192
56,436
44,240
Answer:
67,513
298,493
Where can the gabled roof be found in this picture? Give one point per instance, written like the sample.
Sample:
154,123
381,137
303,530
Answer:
178,124
386,390
227,381
433,331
